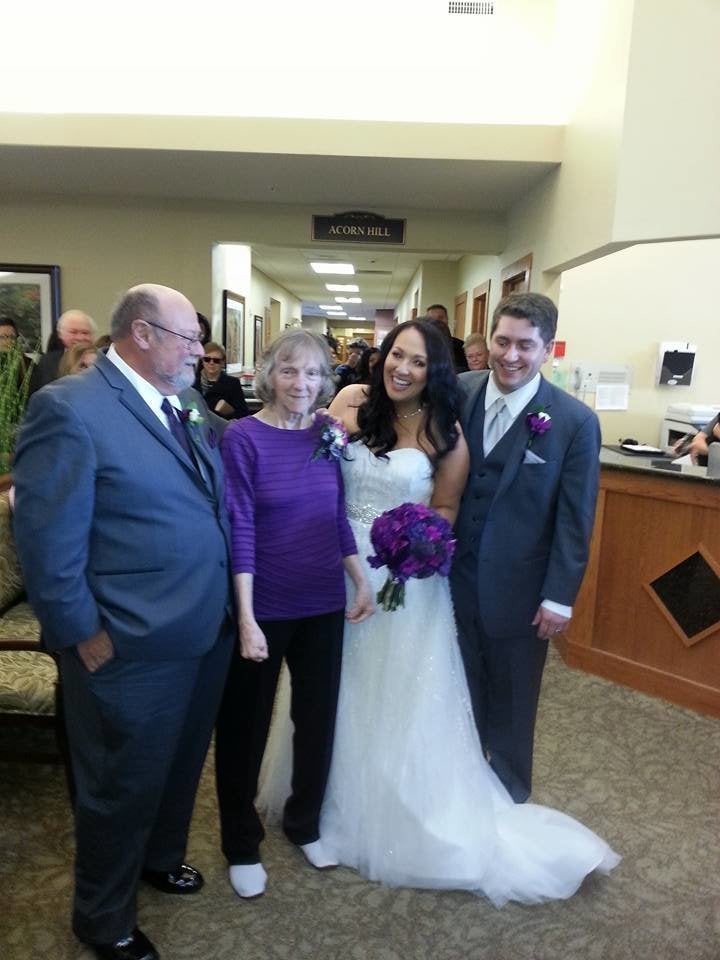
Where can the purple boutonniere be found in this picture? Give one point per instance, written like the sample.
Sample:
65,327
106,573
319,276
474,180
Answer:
538,422
333,439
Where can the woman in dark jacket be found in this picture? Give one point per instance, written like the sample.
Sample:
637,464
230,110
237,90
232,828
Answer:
223,393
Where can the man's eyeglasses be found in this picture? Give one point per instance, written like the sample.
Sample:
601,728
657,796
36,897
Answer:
212,359
191,341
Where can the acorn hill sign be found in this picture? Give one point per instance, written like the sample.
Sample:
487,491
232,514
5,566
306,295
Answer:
358,226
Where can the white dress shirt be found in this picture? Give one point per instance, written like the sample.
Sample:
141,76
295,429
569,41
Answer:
150,394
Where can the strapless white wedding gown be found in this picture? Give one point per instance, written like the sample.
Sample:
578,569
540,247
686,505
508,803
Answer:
411,800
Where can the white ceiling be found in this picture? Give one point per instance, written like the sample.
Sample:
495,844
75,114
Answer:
381,275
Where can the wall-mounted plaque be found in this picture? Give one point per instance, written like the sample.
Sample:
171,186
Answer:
688,596
358,226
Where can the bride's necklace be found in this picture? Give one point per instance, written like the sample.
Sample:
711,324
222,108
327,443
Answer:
407,416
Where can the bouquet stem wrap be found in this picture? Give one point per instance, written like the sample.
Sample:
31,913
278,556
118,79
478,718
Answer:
411,540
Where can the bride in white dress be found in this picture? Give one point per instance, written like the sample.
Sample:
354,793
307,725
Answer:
411,799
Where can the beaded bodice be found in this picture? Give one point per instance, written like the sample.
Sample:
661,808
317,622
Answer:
376,484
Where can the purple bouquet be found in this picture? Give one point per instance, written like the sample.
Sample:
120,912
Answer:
411,541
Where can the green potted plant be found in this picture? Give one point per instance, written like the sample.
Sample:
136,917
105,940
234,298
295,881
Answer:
14,386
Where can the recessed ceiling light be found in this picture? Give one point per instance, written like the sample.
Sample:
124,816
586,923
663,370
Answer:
348,299
328,306
336,313
342,287
358,318
346,268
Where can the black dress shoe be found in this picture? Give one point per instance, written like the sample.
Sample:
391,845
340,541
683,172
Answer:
135,947
185,879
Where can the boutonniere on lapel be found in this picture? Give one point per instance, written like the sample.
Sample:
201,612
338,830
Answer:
333,438
191,416
538,422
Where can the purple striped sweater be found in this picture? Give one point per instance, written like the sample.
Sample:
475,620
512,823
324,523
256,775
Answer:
287,513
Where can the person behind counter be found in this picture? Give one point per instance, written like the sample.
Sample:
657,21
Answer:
710,433
222,393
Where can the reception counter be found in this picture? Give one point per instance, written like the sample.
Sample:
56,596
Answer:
648,612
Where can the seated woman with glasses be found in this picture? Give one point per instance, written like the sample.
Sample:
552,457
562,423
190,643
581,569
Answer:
223,393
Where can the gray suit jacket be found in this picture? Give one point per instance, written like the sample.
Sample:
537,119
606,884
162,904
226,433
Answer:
534,542
115,527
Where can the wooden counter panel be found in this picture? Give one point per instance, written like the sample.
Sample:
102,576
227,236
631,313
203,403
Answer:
644,526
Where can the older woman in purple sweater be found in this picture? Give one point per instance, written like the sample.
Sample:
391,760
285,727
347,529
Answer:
291,546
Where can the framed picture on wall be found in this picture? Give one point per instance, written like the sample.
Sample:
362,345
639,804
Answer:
30,295
233,330
258,340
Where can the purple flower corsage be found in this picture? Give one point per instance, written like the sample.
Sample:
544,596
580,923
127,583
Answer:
333,438
538,422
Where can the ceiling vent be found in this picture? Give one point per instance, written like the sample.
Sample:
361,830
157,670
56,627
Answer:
474,7
379,273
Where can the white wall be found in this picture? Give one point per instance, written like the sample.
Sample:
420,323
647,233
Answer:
619,308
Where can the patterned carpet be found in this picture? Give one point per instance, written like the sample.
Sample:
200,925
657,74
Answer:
642,773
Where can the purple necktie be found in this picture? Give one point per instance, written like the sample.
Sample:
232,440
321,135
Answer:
176,428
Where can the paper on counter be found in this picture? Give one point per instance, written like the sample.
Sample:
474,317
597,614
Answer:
640,448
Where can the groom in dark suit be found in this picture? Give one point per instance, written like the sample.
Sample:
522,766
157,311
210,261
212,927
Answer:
123,539
523,528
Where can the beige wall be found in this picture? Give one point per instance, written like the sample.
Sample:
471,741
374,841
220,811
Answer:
439,284
667,179
263,290
103,246
568,218
472,271
411,297
618,309
642,150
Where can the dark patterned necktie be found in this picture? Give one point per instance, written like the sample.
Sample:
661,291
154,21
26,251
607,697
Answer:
177,429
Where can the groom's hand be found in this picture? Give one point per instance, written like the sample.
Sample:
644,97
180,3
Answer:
549,624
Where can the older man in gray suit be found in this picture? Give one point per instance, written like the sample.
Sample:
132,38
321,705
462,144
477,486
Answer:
123,539
523,528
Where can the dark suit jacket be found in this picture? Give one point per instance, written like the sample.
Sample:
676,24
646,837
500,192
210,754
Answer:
225,388
534,542
457,349
110,512
45,370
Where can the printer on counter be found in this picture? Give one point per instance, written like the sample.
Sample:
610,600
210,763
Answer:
683,418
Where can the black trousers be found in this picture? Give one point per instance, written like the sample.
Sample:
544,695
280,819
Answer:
312,647
139,731
504,675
